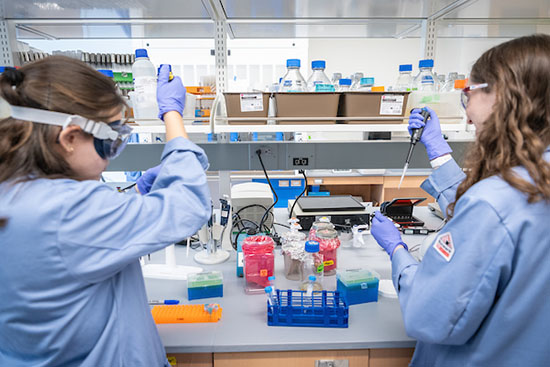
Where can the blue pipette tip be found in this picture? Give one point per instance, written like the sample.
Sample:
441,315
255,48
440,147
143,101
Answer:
312,278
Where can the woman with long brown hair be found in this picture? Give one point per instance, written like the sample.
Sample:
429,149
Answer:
72,291
481,295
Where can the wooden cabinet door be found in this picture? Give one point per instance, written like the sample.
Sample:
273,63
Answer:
356,358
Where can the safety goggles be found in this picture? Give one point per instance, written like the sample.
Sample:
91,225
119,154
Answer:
109,138
465,97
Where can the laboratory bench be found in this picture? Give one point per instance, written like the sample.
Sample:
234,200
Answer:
375,336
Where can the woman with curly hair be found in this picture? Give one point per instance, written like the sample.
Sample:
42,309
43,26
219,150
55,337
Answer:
481,295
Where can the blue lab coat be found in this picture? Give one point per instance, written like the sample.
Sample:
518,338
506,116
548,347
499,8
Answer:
489,305
71,287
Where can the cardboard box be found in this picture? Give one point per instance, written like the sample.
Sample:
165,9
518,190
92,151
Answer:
247,105
374,104
317,104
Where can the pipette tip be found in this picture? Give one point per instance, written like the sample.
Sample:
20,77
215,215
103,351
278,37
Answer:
403,175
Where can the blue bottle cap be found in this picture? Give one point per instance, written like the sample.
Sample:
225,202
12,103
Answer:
293,63
405,67
271,278
312,278
318,64
279,136
141,52
268,289
312,246
428,63
169,68
106,72
367,81
344,81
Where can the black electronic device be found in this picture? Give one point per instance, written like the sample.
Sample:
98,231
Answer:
400,210
342,211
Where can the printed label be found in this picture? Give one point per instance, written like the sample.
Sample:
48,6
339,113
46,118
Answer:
364,285
324,88
252,102
391,104
444,246
173,361
329,262
263,272
240,258
320,268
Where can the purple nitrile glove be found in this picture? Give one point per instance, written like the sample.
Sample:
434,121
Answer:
145,182
170,93
432,138
384,232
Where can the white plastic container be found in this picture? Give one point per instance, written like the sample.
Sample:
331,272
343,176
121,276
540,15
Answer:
356,80
144,99
425,80
404,80
293,81
318,76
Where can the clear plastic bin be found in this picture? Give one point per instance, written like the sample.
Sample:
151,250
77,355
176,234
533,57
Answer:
259,262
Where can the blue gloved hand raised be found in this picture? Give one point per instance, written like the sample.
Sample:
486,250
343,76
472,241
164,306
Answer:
384,232
145,182
432,138
170,93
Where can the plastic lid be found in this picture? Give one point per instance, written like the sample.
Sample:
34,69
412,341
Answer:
318,64
460,83
378,89
367,81
106,72
312,278
344,81
204,279
312,246
428,63
293,63
357,276
268,289
141,52
405,67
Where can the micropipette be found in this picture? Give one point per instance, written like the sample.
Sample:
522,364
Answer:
415,138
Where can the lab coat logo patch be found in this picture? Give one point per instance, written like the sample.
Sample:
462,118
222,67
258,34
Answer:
444,246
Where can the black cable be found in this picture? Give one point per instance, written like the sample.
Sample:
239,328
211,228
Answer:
282,225
259,153
236,239
128,187
301,194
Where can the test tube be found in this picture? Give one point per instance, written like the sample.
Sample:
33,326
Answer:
309,291
270,296
271,281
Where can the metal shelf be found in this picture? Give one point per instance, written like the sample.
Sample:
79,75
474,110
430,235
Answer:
328,128
161,129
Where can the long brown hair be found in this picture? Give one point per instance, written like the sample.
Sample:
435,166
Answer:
518,130
57,83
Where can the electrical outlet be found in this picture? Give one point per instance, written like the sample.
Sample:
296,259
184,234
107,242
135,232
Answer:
300,161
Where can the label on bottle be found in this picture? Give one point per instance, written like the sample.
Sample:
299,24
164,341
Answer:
391,104
252,102
324,88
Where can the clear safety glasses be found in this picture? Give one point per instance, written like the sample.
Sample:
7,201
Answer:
465,97
109,138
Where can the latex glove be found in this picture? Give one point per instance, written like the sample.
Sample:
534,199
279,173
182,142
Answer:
145,182
432,138
385,233
170,93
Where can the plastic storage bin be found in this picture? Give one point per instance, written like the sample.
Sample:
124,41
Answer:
205,285
358,285
374,104
247,105
307,105
294,308
259,262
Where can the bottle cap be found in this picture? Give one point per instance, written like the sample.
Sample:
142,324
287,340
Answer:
312,278
108,73
344,81
428,63
367,81
405,67
312,246
271,278
268,289
293,63
318,64
460,83
378,89
141,52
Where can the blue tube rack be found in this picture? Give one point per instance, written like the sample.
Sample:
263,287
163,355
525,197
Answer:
294,308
